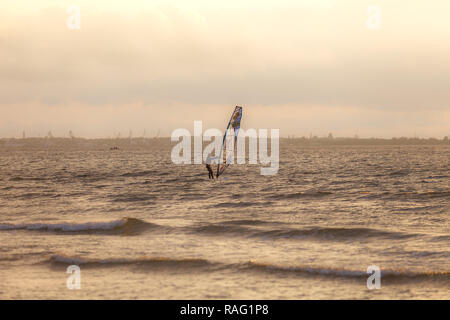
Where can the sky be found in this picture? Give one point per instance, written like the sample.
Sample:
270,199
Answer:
304,67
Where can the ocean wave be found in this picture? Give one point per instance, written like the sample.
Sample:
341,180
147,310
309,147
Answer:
139,173
388,274
246,222
444,238
133,198
19,178
239,228
241,204
162,262
193,196
125,226
218,229
300,195
192,264
414,195
434,194
399,173
332,233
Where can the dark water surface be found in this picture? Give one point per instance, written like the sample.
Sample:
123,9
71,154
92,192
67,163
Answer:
141,227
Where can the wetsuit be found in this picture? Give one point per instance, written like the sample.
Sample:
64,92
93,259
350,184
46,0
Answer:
210,171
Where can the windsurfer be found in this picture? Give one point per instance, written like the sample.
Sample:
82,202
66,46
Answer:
208,167
210,172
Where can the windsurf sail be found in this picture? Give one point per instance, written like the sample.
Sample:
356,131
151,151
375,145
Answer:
229,141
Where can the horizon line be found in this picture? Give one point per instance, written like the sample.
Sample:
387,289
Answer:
291,137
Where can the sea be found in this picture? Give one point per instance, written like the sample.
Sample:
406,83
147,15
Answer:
336,222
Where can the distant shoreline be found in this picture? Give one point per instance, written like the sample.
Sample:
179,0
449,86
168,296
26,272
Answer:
117,144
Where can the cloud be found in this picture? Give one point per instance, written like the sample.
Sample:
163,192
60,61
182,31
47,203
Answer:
269,54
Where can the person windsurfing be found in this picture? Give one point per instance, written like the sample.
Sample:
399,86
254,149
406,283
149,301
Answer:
208,167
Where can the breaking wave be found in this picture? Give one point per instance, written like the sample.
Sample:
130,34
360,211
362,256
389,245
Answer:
192,264
126,226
